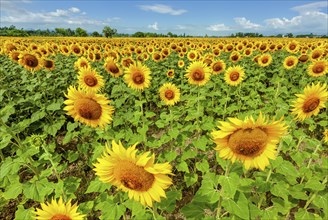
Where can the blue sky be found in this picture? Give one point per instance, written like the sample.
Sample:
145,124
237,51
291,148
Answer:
198,18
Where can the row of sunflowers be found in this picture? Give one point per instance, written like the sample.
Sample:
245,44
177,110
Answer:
185,65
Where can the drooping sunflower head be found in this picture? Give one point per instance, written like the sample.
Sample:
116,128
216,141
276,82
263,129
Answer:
48,64
30,61
138,175
318,68
82,62
198,73
218,66
112,67
88,108
265,60
234,75
169,94
90,80
137,76
290,62
58,211
249,141
310,101
170,73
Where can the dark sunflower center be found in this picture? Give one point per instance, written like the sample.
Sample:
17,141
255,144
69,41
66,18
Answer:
31,60
65,50
90,80
135,177
290,63
303,58
83,64
310,104
157,56
138,78
234,57
247,52
198,75
15,56
114,69
170,73
217,67
265,60
315,55
234,76
192,55
60,217
248,142
292,47
98,56
89,109
317,69
169,94
48,64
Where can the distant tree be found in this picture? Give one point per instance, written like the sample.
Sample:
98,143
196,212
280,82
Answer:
138,34
109,32
289,35
80,32
95,34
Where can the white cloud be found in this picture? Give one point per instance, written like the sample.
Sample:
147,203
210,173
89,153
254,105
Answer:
181,27
154,26
315,6
218,27
246,24
162,9
74,10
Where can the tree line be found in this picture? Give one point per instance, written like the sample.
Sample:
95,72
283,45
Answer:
112,32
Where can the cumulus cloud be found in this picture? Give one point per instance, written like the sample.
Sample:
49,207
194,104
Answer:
154,26
74,10
310,19
217,27
162,9
246,24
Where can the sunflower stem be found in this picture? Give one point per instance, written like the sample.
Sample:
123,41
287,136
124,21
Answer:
226,102
198,106
264,194
309,163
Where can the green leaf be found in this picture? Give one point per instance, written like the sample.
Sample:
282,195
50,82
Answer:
55,106
9,166
13,191
188,154
23,214
53,128
195,209
182,166
6,112
190,178
71,126
111,210
229,185
96,186
38,189
169,203
286,168
303,214
208,189
321,201
314,184
282,206
203,166
169,156
201,143
280,189
239,208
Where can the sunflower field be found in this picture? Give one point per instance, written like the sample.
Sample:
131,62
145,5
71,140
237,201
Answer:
163,128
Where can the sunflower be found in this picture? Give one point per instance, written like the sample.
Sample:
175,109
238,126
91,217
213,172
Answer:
325,136
156,56
14,55
248,52
137,76
169,94
136,174
310,102
249,141
82,62
303,58
127,61
170,73
234,75
218,66
235,56
198,73
112,68
30,61
48,64
293,46
88,108
192,55
318,68
290,62
181,63
316,54
265,60
58,211
90,80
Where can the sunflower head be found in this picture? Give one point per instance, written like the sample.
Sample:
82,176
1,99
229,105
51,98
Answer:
198,73
58,211
82,62
218,66
112,67
310,102
137,76
249,141
318,68
127,61
48,64
181,63
90,80
234,75
170,73
31,61
169,94
88,108
290,62
265,60
138,175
